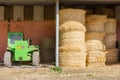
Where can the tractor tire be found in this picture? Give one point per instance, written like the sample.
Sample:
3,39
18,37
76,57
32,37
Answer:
36,58
7,59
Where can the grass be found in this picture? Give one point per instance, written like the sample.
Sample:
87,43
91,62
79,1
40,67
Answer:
57,70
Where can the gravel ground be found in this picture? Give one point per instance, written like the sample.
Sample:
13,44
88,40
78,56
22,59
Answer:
109,72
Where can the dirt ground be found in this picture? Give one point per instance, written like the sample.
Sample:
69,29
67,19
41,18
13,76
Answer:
109,72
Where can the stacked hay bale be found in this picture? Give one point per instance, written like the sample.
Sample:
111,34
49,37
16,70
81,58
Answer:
72,44
95,53
110,41
47,50
94,40
72,15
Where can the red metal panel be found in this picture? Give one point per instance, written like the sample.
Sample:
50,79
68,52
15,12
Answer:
34,30
3,38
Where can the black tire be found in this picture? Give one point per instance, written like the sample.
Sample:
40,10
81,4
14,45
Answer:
35,58
7,59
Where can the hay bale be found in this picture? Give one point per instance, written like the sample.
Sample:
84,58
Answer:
80,35
67,42
95,26
72,59
72,15
110,45
110,25
95,57
96,18
72,26
94,36
77,48
112,56
110,40
94,45
111,37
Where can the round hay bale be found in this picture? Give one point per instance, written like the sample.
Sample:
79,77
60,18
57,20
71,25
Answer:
95,57
96,18
94,36
72,15
110,25
73,35
77,48
95,26
95,53
111,37
65,42
110,45
95,45
112,56
72,59
72,26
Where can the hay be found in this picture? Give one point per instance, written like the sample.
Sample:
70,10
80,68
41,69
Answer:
95,65
112,56
110,26
65,42
72,26
111,37
95,53
94,36
96,27
110,40
72,59
110,45
96,18
72,15
95,57
73,35
77,48
95,45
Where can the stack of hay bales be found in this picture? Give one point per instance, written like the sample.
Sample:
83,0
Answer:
72,44
95,27
94,40
47,50
72,15
110,41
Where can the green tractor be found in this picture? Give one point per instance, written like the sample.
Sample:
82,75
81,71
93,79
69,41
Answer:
19,50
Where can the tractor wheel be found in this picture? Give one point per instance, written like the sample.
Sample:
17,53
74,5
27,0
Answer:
7,59
36,58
